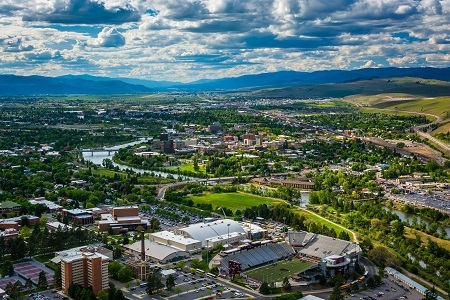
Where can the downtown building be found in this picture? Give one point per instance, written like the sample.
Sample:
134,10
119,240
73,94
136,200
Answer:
86,269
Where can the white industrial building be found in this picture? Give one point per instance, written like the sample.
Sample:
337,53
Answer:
212,233
178,241
155,252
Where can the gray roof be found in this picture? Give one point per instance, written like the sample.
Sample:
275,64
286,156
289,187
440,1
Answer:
322,246
155,250
204,231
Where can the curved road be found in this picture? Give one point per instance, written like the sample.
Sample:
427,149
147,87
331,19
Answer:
417,129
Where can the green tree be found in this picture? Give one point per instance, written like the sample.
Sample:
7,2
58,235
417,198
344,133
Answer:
154,284
102,295
170,282
215,270
57,281
382,257
178,290
195,263
430,294
113,269
28,284
14,290
336,294
118,295
286,284
264,288
125,274
111,291
7,268
42,280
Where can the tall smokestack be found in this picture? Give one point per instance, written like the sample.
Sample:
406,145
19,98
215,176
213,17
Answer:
142,246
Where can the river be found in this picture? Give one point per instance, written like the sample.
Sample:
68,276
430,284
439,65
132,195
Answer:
304,199
98,157
409,217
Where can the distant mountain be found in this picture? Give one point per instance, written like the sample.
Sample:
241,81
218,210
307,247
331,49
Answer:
147,83
40,85
374,86
87,84
292,78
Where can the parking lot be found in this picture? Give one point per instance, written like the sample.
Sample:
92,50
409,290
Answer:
391,289
48,295
187,287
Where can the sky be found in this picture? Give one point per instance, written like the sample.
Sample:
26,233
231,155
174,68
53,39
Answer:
187,40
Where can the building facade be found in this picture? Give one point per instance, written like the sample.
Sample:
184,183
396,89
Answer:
86,269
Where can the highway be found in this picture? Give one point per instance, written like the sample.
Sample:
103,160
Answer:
418,129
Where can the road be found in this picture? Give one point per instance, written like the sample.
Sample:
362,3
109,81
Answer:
417,129
369,266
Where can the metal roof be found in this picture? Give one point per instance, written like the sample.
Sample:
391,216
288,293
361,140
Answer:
409,281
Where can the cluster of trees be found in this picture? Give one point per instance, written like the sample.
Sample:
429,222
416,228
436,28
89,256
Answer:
42,241
120,272
408,166
375,222
371,124
292,217
310,107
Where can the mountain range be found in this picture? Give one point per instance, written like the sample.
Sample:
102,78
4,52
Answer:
87,84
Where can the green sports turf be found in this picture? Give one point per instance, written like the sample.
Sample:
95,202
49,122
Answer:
277,273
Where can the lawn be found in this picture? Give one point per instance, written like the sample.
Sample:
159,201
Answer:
44,258
282,269
141,179
233,201
327,223
188,167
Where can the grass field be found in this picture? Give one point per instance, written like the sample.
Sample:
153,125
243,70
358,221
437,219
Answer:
233,201
435,106
141,180
327,223
413,87
282,269
188,167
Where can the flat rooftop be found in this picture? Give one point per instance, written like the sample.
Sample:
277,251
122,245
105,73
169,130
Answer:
175,238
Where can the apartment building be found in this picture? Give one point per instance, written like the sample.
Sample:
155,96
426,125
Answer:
85,268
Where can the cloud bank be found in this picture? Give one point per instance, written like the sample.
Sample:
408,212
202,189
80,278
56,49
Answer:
191,39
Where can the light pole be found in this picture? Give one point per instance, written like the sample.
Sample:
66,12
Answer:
228,226
207,254
284,221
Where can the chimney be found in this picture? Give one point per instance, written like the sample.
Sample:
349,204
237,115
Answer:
142,246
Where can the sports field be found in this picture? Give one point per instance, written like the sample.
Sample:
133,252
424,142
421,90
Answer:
278,272
233,201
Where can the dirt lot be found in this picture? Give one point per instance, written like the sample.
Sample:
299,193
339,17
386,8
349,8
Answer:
421,150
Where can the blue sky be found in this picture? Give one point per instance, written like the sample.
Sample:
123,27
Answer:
187,40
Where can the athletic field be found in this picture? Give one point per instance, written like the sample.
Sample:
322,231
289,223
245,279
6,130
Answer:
279,271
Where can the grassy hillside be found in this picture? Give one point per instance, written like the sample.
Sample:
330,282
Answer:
435,106
404,86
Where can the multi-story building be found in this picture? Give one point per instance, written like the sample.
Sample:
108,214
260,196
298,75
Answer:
79,216
122,219
86,269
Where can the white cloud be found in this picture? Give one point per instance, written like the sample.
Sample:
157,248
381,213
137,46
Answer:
110,37
193,39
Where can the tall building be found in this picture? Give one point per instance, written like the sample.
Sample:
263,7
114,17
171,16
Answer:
85,268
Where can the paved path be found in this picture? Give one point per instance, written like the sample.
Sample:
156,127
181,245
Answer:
355,237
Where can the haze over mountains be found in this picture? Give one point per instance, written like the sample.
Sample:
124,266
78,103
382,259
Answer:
86,84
